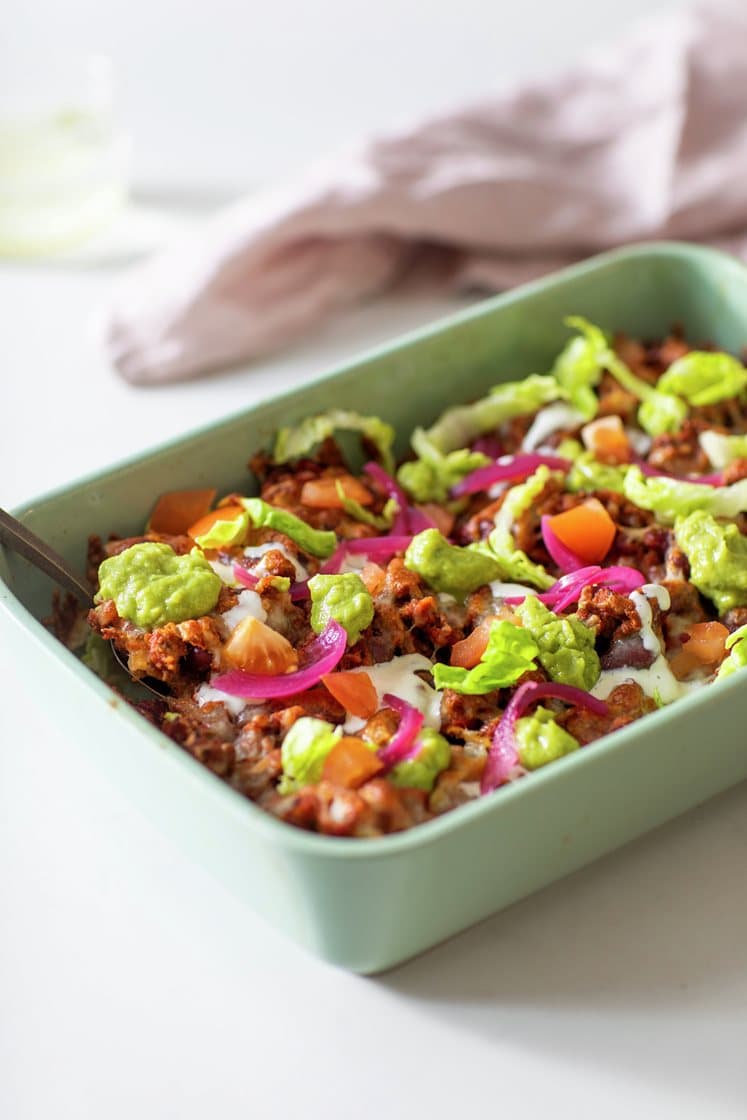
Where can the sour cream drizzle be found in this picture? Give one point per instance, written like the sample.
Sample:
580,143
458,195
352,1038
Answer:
549,420
256,551
398,676
249,604
658,679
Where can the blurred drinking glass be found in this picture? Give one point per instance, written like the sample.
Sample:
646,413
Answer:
63,162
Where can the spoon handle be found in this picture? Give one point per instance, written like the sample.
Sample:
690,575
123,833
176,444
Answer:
16,536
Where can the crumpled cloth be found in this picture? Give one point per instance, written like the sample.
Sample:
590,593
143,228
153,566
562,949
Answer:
645,140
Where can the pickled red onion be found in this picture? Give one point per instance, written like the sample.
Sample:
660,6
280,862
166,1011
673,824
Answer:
319,656
566,560
403,744
409,519
512,467
503,753
392,489
702,479
569,587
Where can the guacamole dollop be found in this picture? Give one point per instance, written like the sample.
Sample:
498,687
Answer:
344,598
421,771
151,585
447,567
717,554
303,752
566,645
541,740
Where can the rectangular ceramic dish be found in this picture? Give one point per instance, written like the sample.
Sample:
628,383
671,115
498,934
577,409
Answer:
368,904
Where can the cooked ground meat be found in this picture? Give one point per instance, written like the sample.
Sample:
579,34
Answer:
625,704
680,453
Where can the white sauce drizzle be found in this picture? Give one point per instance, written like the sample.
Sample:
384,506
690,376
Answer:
639,441
225,571
354,562
249,604
549,420
398,677
501,591
206,694
256,551
658,678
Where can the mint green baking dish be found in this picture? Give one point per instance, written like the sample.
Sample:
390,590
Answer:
367,905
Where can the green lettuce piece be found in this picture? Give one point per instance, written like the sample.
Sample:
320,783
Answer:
457,427
566,645
587,473
670,498
447,567
659,412
292,443
704,377
280,583
729,501
569,449
717,554
344,598
431,476
225,534
381,521
317,542
515,565
722,449
98,656
421,771
578,368
304,749
509,654
541,740
737,659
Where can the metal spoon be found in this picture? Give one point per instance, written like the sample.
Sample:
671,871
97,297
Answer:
15,535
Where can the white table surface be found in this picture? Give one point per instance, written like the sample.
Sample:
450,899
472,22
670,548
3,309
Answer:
132,984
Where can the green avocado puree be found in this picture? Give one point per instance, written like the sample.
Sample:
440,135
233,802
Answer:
151,585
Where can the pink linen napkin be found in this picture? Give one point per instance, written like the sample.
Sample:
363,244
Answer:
645,140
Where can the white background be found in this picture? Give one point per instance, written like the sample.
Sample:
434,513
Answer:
131,984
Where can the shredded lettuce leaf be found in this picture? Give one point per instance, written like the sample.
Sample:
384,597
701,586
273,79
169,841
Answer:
670,498
431,476
225,534
381,521
736,643
98,656
317,542
587,473
292,443
722,449
509,654
457,427
704,377
569,449
659,412
578,368
515,565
